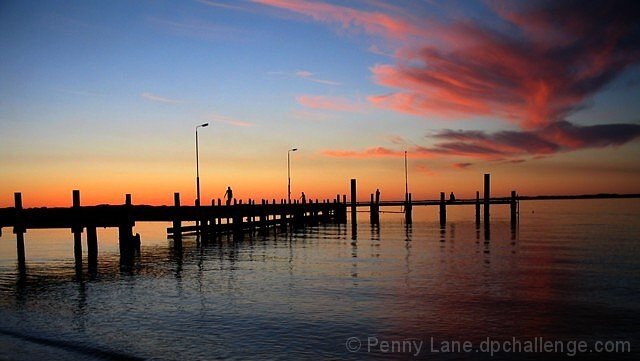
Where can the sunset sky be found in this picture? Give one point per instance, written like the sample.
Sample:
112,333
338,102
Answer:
104,96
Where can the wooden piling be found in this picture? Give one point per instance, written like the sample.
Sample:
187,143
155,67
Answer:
443,210
477,208
408,209
92,244
354,213
513,208
77,229
374,211
19,229
487,196
177,224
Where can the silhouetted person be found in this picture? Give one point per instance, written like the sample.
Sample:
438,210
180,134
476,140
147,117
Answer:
452,197
303,198
229,195
377,195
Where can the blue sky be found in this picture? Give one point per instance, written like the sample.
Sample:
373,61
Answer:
117,88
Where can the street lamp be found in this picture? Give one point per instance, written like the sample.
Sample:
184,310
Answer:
289,173
198,165
406,178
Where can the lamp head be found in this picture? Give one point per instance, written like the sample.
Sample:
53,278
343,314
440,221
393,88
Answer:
294,149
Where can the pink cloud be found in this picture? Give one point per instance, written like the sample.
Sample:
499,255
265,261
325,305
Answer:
160,99
421,168
328,103
230,121
526,65
371,22
462,165
536,73
367,153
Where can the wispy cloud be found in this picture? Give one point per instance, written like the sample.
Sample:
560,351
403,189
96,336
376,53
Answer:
396,139
509,146
310,76
462,165
376,50
303,74
217,4
160,99
372,22
329,103
305,114
231,121
421,168
374,152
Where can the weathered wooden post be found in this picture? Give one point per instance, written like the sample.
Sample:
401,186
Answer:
77,229
443,210
343,207
250,214
92,245
477,208
212,219
374,211
177,224
408,209
513,208
487,196
354,214
237,217
125,229
19,229
263,216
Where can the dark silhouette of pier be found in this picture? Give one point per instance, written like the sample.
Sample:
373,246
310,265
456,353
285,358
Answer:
233,216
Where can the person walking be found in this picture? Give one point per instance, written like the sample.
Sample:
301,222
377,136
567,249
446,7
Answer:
228,195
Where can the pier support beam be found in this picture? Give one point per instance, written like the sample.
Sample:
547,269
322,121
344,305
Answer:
354,214
443,210
177,224
19,229
77,230
374,210
128,242
408,209
477,208
513,208
92,245
487,196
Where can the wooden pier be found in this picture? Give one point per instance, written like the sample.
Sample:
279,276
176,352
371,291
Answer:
211,220
408,203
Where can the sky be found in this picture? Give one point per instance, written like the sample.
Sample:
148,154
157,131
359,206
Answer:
105,97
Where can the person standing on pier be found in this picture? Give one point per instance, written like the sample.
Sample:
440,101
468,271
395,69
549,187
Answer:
229,195
303,198
452,198
377,195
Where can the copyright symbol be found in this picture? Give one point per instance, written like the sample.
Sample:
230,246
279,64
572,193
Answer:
353,344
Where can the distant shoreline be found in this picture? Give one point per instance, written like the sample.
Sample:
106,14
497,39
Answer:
579,196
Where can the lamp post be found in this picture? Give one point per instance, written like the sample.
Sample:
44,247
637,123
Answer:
406,178
198,165
289,173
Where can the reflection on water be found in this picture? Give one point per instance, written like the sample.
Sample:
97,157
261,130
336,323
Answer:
568,271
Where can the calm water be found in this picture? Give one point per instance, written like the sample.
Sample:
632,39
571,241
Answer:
570,271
